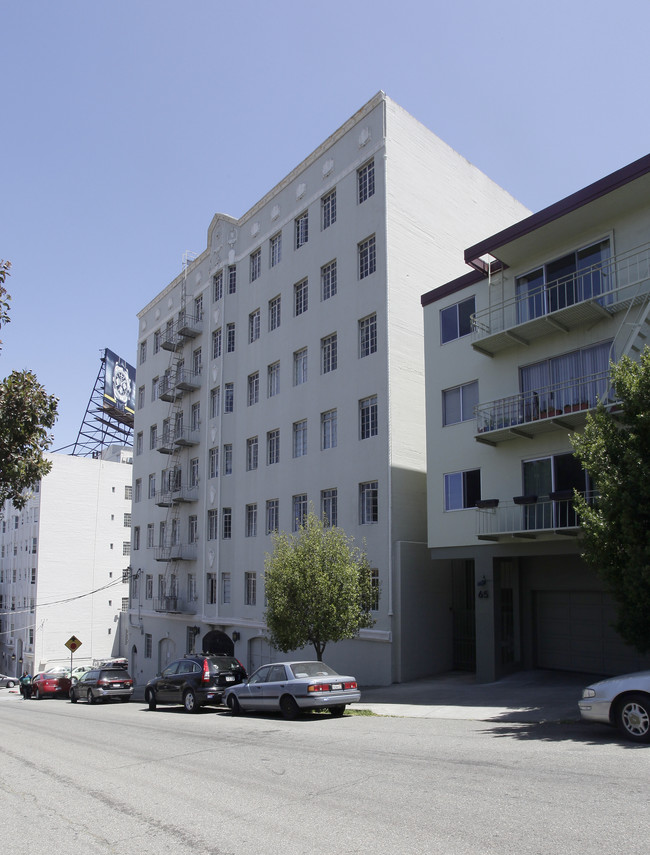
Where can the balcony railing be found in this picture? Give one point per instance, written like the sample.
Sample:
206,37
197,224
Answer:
189,326
166,443
174,605
187,380
529,517
167,390
562,405
186,436
176,552
586,296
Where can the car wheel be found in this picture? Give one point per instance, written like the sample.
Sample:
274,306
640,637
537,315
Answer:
337,711
10,684
190,702
150,698
90,697
289,707
233,705
73,697
633,717
36,694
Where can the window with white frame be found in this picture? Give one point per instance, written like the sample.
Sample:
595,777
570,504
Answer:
141,394
300,366
458,403
138,490
273,379
328,282
154,388
213,462
251,520
250,589
253,388
368,417
126,547
148,587
192,529
232,279
198,308
127,520
329,507
230,338
300,438
328,429
329,353
215,402
148,646
213,524
300,297
211,588
366,181
272,515
456,320
226,523
302,229
150,535
328,209
299,510
274,313
273,447
276,249
367,335
157,340
367,257
143,351
226,582
253,326
152,486
194,472
195,416
128,494
256,264
216,343
368,503
227,459
139,440
136,538
462,489
217,286
251,453
229,398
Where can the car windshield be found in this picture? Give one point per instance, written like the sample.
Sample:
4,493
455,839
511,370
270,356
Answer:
312,669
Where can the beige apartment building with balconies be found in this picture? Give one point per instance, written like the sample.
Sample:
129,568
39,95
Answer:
517,355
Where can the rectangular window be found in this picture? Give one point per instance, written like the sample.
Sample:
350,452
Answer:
148,586
216,343
367,257
211,588
232,279
250,589
302,229
150,535
148,646
462,489
273,380
374,582
366,181
229,398
256,264
217,286
329,507
328,209
128,493
272,515
227,459
456,320
226,523
192,529
154,388
251,520
274,313
367,336
328,280
273,447
300,367
143,351
276,249
126,547
299,510
139,440
127,520
195,416
152,486
230,338
226,581
458,403
253,388
213,524
301,297
141,394
251,453
253,326
157,340
213,462
138,490
300,438
215,402
368,503
198,308
329,353
194,472
136,538
328,429
368,417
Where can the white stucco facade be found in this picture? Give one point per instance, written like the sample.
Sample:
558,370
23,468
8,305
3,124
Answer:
62,562
347,401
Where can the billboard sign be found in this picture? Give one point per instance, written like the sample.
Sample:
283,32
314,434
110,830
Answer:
119,387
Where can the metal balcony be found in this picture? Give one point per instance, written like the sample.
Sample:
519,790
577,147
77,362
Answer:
586,297
166,443
167,390
529,517
174,605
187,380
186,437
176,552
189,326
164,499
186,494
171,340
561,406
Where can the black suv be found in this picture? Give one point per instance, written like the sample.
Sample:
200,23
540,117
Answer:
196,680
102,684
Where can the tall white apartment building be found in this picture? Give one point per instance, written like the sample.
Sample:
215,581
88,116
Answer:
518,353
283,370
63,559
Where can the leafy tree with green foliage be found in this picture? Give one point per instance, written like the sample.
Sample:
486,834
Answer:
26,414
615,449
318,587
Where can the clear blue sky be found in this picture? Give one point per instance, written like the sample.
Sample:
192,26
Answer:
126,125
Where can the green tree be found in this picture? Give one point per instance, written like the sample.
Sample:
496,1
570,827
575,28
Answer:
26,414
615,449
318,587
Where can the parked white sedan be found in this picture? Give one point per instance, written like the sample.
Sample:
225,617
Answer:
621,701
291,687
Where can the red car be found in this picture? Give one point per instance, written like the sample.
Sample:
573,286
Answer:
51,683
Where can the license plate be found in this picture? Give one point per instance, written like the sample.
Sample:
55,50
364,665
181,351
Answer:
117,686
230,678
336,687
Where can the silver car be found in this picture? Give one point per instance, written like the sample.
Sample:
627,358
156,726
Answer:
293,687
621,701
8,682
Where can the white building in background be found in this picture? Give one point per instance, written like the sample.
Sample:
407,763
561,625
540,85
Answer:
284,369
62,563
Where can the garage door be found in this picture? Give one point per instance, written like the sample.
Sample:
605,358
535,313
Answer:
573,633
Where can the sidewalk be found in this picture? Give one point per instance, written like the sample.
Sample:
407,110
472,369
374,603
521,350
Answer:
523,697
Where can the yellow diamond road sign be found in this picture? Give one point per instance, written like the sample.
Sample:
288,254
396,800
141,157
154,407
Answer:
73,644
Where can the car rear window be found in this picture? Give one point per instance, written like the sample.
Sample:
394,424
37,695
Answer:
224,663
115,674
